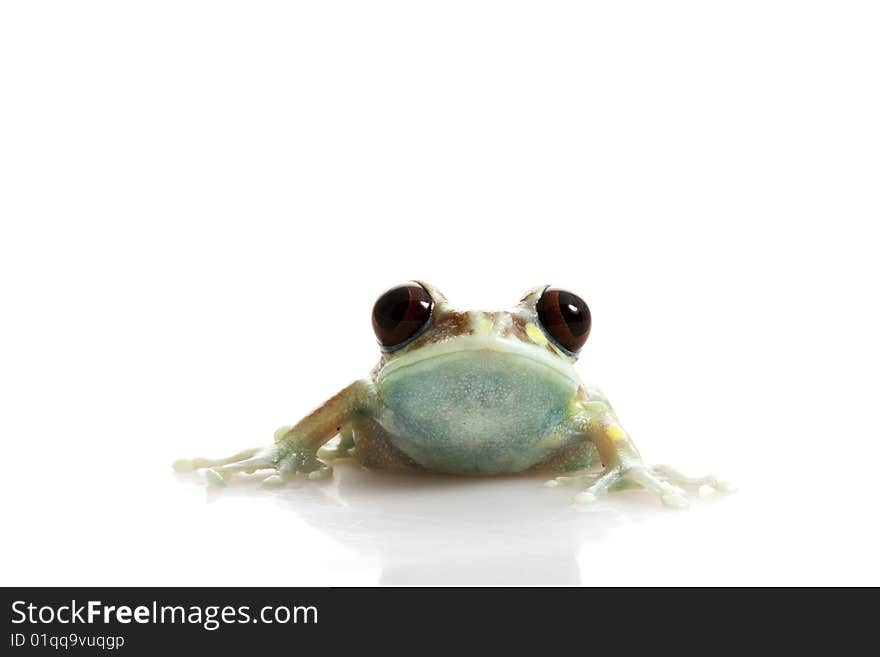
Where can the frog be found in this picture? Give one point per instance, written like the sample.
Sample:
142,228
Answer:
470,393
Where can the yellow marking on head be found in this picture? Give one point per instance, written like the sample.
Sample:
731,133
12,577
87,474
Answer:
615,432
537,335
484,326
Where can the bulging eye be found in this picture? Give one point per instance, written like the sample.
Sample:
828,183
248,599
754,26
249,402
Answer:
401,313
565,317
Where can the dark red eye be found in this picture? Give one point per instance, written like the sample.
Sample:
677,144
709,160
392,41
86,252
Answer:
401,313
565,317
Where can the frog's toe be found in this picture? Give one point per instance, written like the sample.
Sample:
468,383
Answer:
344,447
653,480
675,500
214,478
274,480
183,465
585,497
191,465
321,473
262,461
594,485
693,483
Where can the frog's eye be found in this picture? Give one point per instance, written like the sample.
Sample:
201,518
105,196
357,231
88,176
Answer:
565,317
400,314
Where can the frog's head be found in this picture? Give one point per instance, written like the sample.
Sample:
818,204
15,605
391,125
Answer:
414,322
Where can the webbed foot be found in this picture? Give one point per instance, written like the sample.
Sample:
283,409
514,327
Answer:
284,461
669,484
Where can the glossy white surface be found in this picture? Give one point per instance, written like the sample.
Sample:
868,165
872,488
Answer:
200,201
118,528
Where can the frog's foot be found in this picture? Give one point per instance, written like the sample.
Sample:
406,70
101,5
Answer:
283,461
662,480
693,483
343,449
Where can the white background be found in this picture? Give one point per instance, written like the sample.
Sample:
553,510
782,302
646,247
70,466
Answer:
200,202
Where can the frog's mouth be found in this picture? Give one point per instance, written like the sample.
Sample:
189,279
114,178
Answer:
518,351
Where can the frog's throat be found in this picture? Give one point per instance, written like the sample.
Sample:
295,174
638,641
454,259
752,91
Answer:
475,343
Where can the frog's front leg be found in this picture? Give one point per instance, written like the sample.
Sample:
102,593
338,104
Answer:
295,448
595,420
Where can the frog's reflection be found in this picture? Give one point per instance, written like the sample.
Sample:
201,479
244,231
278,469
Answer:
429,529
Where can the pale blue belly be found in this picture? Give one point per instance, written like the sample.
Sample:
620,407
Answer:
476,412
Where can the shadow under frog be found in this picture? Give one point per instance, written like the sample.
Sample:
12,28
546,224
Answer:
446,530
